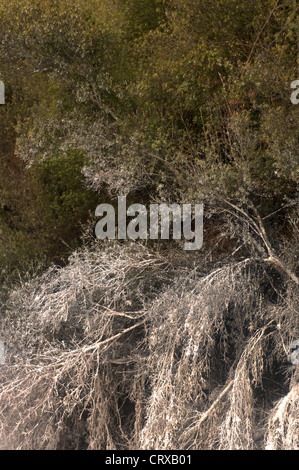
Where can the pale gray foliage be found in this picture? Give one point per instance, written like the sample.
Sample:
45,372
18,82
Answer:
120,349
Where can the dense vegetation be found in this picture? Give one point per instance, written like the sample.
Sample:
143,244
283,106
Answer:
159,100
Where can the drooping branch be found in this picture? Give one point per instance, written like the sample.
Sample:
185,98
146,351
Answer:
258,227
192,432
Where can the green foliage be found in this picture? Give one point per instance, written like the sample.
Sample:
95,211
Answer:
62,188
41,213
182,99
